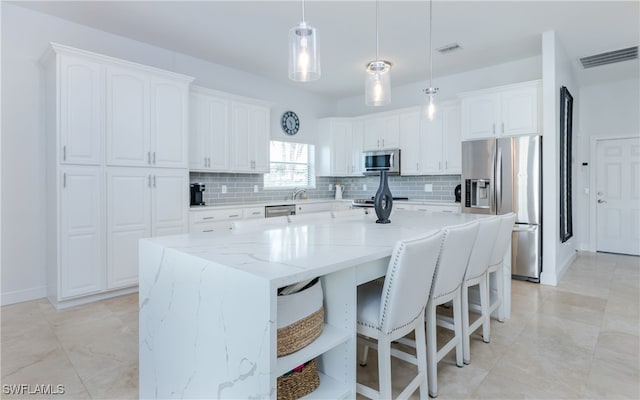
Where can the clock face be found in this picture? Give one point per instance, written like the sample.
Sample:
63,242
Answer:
290,123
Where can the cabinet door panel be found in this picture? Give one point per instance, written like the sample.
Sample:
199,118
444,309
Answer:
390,133
128,200
372,131
240,152
479,116
81,242
259,139
169,202
452,140
340,144
217,127
520,111
168,123
357,138
127,120
431,145
410,143
80,111
198,132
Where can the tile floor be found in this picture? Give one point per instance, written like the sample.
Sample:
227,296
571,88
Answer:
574,341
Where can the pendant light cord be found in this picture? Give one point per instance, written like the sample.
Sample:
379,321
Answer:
303,11
377,43
430,39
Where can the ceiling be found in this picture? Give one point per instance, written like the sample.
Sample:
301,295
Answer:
252,35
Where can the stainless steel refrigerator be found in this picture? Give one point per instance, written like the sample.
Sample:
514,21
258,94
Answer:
504,175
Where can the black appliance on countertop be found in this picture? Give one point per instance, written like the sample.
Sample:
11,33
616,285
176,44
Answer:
197,194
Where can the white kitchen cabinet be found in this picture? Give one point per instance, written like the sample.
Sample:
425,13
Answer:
381,132
101,111
306,208
215,220
146,118
80,84
410,143
209,131
141,202
502,111
431,147
340,153
82,247
249,138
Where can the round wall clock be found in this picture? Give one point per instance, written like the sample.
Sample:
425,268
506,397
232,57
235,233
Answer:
290,123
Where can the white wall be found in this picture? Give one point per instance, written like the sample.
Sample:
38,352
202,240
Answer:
556,72
606,110
25,36
450,85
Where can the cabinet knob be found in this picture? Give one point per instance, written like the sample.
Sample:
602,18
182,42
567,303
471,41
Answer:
148,157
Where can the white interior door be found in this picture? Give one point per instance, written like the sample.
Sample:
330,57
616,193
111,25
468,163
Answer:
618,196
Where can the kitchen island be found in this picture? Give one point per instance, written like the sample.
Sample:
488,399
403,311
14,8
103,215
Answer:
208,302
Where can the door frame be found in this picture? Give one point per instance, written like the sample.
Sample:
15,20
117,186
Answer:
593,173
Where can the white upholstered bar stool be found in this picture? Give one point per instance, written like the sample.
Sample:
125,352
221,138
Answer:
447,285
396,308
476,275
496,262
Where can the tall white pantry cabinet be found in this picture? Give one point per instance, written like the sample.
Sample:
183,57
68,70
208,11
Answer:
117,169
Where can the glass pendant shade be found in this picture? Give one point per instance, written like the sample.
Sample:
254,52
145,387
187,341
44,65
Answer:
378,83
429,105
304,60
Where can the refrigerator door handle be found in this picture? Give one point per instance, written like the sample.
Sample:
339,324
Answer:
528,228
499,182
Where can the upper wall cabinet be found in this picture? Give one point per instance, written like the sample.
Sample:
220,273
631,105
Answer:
249,138
208,132
341,152
501,111
228,133
146,118
381,132
80,85
431,147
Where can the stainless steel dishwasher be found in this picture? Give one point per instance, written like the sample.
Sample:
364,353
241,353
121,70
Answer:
279,211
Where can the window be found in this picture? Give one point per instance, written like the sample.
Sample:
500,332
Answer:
291,166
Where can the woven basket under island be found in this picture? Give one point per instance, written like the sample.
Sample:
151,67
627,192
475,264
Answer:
300,322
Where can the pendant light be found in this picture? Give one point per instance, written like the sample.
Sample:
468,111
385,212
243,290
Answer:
430,92
378,78
304,58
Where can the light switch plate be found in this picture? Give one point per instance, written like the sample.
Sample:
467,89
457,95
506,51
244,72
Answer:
364,186
224,188
255,189
428,187
330,187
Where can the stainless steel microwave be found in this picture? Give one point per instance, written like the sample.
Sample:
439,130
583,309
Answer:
381,160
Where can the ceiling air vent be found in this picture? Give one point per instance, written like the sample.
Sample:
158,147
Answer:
610,57
449,48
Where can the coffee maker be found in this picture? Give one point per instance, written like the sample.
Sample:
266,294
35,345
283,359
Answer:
197,194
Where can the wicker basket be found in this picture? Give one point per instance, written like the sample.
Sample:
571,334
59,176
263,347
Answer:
300,319
299,383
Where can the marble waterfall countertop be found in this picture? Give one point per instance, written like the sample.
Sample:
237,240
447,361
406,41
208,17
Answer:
208,302
311,201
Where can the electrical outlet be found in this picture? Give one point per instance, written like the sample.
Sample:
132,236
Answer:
330,187
255,189
428,187
364,186
224,188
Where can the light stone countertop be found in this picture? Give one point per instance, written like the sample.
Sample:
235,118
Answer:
310,201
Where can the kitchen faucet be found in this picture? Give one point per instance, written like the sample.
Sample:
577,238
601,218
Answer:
296,192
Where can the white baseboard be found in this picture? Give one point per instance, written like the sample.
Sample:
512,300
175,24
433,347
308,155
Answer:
565,266
19,296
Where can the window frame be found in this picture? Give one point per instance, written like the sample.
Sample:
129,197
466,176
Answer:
311,177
